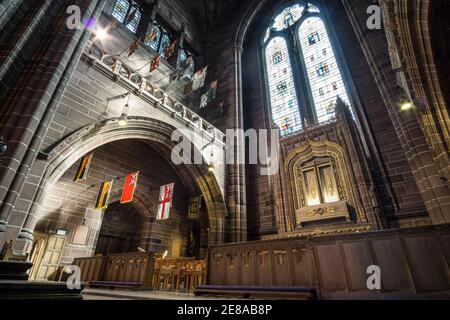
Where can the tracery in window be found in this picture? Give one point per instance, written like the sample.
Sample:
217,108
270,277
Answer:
283,96
323,72
287,17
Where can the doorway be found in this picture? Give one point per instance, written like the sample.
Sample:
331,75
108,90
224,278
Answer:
120,230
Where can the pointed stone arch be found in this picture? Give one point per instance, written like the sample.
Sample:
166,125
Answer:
196,178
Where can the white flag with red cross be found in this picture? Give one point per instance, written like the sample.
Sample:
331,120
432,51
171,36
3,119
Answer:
165,201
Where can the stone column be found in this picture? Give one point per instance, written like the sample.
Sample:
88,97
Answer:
432,185
36,63
236,194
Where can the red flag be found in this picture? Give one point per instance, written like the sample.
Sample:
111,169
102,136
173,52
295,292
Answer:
165,201
134,46
155,63
168,52
129,187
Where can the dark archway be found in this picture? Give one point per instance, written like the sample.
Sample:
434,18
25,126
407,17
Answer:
119,232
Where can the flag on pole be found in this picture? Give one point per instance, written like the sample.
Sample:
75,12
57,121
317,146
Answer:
209,95
194,208
155,63
198,81
165,201
103,195
134,46
129,187
83,170
168,52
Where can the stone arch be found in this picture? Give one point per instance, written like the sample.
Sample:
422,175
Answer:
196,178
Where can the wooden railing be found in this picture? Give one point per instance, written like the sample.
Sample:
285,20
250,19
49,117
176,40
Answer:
142,271
128,270
413,262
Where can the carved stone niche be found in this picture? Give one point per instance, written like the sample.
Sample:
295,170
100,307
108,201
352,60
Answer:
319,182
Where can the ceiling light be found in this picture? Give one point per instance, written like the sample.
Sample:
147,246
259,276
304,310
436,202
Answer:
123,120
101,34
406,106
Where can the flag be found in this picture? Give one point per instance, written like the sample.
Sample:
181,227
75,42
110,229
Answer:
168,52
131,16
84,168
151,36
104,194
174,77
129,187
198,81
204,100
134,46
185,66
165,201
194,208
209,95
212,92
155,62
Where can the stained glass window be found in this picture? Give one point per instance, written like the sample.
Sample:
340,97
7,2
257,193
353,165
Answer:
324,76
134,23
155,43
283,97
122,8
165,42
319,68
287,17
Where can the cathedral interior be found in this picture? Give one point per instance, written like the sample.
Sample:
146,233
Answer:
252,148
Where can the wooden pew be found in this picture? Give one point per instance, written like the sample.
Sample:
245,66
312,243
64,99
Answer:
127,270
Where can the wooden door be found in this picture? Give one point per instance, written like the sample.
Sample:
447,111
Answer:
110,244
50,259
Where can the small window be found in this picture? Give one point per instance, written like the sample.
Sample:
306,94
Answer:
162,39
128,13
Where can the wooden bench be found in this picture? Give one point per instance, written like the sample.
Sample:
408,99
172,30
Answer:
303,293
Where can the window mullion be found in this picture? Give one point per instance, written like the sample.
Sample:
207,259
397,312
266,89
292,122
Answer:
308,107
295,75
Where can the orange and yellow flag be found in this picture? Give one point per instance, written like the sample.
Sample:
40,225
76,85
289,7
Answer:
84,168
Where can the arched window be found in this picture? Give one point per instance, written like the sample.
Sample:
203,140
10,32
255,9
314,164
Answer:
303,76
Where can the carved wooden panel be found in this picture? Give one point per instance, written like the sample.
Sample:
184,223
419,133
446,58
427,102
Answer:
389,255
428,261
232,268
263,268
330,267
357,259
281,268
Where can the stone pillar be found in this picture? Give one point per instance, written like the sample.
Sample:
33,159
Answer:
394,88
236,194
36,63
